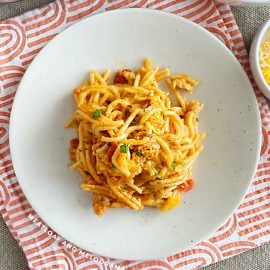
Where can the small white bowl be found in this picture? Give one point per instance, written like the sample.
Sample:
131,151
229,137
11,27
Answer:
258,39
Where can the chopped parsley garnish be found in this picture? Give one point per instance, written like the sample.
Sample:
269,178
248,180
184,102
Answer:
123,148
139,154
113,166
174,166
123,187
97,113
154,169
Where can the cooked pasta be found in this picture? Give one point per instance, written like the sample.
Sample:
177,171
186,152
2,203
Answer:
134,148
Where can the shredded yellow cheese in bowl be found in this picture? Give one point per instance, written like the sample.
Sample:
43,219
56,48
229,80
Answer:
264,58
259,59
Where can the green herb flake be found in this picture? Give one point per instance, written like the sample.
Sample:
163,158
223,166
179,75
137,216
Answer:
174,166
123,187
97,113
154,169
139,154
123,148
113,166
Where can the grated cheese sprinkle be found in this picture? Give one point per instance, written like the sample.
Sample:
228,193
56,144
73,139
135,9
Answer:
264,58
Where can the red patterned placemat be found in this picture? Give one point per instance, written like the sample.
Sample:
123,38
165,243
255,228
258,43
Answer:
21,38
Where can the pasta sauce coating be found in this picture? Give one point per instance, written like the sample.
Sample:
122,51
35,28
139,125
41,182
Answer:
133,147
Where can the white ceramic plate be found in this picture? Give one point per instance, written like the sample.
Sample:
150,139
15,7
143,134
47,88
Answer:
118,39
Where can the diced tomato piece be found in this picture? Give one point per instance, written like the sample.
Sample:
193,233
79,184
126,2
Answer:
119,78
111,150
147,102
187,186
190,185
74,143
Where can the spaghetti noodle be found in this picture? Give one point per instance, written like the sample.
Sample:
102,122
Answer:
134,148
